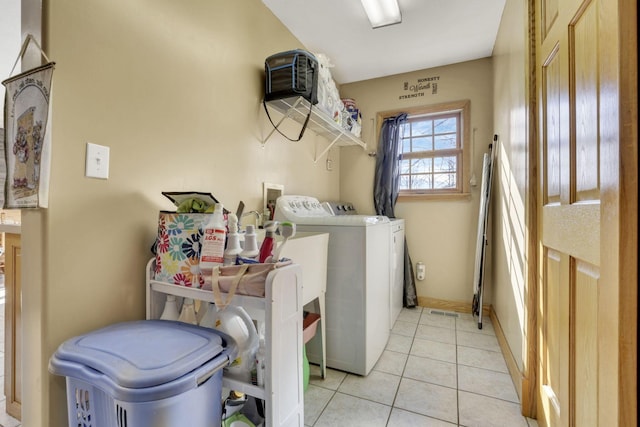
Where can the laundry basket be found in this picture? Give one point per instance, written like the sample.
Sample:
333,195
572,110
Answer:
149,373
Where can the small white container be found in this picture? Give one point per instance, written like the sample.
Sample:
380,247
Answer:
250,248
210,316
170,311
188,312
236,322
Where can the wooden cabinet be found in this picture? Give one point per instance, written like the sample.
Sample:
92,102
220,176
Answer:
13,326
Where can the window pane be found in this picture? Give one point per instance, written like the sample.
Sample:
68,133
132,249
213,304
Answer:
444,142
406,145
445,164
432,151
421,165
421,182
405,166
421,127
446,125
422,144
405,182
445,180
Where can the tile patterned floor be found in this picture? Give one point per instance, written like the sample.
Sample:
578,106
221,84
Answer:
436,371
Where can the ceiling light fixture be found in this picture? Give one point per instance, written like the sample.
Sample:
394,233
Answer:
382,12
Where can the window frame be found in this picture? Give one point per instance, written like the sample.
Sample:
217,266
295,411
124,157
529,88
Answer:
463,171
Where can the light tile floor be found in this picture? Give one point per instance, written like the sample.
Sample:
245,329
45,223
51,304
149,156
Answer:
436,371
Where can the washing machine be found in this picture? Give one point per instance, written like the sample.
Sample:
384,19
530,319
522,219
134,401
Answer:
358,274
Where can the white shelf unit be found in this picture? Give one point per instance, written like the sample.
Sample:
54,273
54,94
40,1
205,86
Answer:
297,109
281,312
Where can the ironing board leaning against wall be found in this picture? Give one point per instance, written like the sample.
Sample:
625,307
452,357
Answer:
483,218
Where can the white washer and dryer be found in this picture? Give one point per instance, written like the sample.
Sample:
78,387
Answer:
358,276
396,269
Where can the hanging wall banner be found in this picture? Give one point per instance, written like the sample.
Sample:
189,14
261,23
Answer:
28,138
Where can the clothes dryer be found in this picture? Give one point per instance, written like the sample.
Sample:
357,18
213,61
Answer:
396,285
396,267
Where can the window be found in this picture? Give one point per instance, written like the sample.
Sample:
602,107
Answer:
434,158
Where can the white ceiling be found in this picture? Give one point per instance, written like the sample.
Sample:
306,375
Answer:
432,33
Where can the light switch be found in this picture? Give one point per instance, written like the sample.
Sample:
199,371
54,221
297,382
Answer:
97,163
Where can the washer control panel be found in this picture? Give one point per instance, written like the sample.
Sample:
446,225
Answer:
308,210
340,208
292,207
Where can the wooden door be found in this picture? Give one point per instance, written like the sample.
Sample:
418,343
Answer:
13,326
579,224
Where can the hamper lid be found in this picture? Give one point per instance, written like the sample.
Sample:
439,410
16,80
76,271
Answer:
144,353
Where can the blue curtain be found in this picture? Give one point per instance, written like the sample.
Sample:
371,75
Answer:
386,187
387,178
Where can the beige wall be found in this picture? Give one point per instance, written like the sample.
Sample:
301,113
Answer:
509,208
442,234
9,42
174,89
9,50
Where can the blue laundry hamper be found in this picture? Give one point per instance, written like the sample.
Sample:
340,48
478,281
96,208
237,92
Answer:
148,373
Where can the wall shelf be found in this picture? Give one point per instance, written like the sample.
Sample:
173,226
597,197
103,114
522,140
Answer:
297,108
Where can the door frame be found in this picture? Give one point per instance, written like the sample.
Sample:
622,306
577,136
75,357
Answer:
628,244
530,374
624,231
13,326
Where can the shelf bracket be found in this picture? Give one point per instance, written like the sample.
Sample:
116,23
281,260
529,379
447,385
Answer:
325,150
286,115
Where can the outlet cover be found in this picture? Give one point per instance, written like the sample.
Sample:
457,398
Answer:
97,163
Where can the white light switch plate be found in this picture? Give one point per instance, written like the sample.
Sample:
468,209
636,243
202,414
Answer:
97,163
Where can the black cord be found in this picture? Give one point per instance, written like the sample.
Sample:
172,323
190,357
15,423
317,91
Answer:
304,126
224,408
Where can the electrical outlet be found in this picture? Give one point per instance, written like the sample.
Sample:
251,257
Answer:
97,162
329,165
